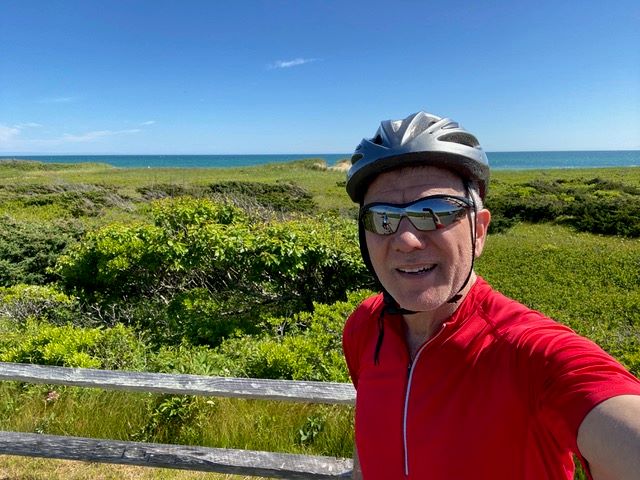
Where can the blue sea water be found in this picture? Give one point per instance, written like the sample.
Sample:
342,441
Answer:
497,160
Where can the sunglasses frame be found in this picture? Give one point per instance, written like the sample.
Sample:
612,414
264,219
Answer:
405,212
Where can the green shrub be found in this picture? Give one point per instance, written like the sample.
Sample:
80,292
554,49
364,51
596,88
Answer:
613,215
306,346
167,190
213,268
77,200
45,344
171,419
187,359
20,302
281,197
28,250
178,215
593,205
205,319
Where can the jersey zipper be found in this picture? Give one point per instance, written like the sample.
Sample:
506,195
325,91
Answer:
408,393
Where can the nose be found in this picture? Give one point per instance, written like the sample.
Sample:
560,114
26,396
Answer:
408,238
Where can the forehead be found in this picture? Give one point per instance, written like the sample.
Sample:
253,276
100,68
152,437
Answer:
410,183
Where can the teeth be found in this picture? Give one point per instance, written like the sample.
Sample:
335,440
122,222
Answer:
417,269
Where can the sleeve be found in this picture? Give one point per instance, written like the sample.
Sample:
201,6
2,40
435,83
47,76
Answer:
572,376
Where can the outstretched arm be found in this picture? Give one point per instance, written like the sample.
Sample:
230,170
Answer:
609,438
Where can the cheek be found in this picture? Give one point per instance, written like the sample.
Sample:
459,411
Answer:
377,246
456,244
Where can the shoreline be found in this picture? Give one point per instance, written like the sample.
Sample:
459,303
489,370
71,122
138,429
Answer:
133,162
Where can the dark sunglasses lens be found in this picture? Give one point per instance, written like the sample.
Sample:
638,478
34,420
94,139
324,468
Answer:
426,214
382,219
435,213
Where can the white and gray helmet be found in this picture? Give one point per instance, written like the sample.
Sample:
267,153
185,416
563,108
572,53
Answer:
419,139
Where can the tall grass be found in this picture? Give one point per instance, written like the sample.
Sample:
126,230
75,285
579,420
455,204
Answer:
213,422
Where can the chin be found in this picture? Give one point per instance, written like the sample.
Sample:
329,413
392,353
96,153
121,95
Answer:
421,303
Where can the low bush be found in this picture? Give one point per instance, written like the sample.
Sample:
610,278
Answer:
278,197
29,249
282,197
158,191
213,267
76,200
44,344
21,302
171,419
593,205
609,215
305,346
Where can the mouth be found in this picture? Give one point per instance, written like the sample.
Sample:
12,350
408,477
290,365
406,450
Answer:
417,270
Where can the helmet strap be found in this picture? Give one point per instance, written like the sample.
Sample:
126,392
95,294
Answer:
474,228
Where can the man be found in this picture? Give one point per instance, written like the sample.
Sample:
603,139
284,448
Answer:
454,380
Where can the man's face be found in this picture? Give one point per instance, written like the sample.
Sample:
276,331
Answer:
422,270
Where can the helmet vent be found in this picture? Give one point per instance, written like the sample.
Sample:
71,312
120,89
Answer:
462,138
451,124
378,140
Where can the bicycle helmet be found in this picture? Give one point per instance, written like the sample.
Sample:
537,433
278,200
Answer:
419,139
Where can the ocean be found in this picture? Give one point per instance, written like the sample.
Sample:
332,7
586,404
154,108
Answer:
497,160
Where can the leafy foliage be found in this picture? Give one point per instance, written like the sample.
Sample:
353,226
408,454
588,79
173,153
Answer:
594,205
213,268
75,200
28,250
306,346
22,302
46,344
171,419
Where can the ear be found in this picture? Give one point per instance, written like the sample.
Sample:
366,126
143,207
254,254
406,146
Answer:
483,219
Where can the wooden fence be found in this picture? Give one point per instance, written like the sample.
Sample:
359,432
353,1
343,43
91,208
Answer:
237,462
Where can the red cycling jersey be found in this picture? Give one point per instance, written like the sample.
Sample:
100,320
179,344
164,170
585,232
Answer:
498,393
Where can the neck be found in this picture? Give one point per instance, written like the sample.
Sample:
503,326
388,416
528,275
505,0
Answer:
422,326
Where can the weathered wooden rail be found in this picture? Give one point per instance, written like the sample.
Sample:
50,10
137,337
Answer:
229,461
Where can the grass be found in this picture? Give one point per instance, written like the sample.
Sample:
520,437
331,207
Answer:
24,468
211,422
222,423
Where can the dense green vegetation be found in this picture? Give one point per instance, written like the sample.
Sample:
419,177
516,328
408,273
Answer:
252,272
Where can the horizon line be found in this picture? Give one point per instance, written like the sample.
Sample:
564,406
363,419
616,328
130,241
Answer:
22,154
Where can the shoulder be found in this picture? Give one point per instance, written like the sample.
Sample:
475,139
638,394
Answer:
361,328
557,362
536,342
364,316
513,322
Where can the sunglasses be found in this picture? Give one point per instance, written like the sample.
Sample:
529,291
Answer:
428,213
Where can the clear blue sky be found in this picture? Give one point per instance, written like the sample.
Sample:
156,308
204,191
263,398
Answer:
313,76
